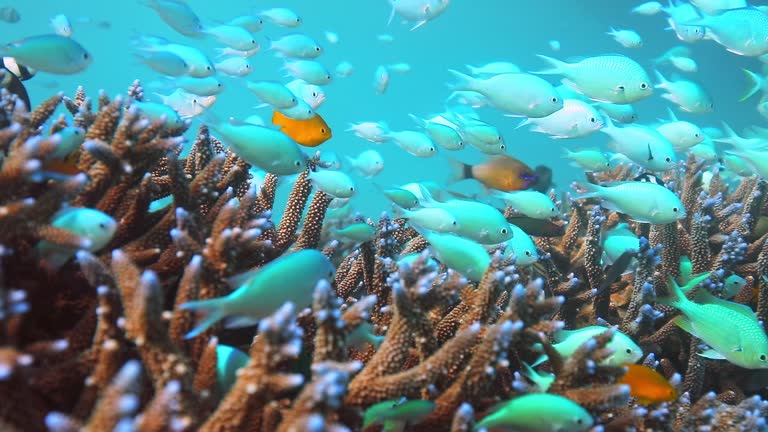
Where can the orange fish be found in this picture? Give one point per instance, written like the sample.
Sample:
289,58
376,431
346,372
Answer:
503,173
66,166
310,133
647,385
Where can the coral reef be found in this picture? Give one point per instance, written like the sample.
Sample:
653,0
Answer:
100,343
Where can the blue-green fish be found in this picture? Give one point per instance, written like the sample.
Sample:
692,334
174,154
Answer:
538,412
96,228
51,53
289,278
459,254
641,201
625,350
730,329
228,361
396,414
177,14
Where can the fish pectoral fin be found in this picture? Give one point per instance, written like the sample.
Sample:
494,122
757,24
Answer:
619,89
739,348
684,323
712,354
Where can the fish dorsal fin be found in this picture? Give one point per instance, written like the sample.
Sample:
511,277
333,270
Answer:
240,279
705,297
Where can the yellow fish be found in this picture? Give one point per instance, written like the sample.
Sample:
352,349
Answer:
309,133
647,385
502,172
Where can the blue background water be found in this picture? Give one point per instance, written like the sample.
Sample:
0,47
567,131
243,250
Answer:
469,32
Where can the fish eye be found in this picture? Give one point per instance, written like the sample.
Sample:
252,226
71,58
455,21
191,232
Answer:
454,223
503,230
696,135
592,119
621,87
317,49
554,100
314,94
643,86
253,41
297,163
629,350
102,225
528,253
668,159
675,209
763,357
322,130
85,56
352,189
207,68
431,149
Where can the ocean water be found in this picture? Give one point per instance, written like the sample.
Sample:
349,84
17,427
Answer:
468,32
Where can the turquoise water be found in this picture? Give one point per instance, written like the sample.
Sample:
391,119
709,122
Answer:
469,32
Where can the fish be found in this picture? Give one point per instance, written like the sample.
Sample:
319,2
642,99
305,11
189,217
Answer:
626,38
432,218
309,71
375,132
380,79
616,241
640,201
522,247
252,23
228,360
530,203
359,232
644,145
312,94
688,95
198,64
268,149
445,136
60,25
588,160
255,297
164,62
296,45
310,132
649,178
647,8
283,17
625,350
646,385
273,93
494,68
50,53
608,78
576,119
368,163
460,254
418,11
12,83
395,415
742,31
681,134
730,329
344,69
516,94
415,143
537,412
232,36
476,221
177,14
94,227
537,227
9,14
234,67
502,172
335,183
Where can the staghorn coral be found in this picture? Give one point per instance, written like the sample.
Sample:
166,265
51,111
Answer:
100,344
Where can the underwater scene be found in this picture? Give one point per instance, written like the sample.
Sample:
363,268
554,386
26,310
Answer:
384,215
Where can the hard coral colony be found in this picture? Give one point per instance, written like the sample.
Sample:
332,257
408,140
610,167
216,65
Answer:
150,289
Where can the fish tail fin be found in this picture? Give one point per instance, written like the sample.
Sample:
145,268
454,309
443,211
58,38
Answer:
472,70
557,66
672,116
729,136
213,310
458,171
418,120
756,81
662,81
465,82
524,122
